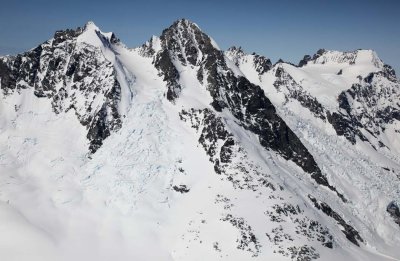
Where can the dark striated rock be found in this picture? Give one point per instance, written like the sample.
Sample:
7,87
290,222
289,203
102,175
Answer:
394,211
20,71
319,53
64,35
379,108
351,234
262,64
181,189
114,39
389,73
7,77
167,69
226,150
345,126
305,60
106,120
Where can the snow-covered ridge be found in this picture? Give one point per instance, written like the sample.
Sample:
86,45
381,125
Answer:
252,65
359,57
92,35
355,57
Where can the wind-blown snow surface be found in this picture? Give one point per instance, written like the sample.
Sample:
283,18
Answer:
173,177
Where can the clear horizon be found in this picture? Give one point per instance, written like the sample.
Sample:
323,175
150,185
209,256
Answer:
286,30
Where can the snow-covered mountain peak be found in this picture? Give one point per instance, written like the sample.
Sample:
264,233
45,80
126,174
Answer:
181,28
181,45
183,23
92,35
89,34
90,25
358,57
186,42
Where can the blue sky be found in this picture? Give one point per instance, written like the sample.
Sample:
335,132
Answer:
277,29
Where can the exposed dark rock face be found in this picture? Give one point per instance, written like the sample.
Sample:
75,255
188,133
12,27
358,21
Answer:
64,35
394,211
319,53
72,75
7,76
167,69
351,234
262,64
106,120
305,60
376,111
389,73
181,189
19,72
345,126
